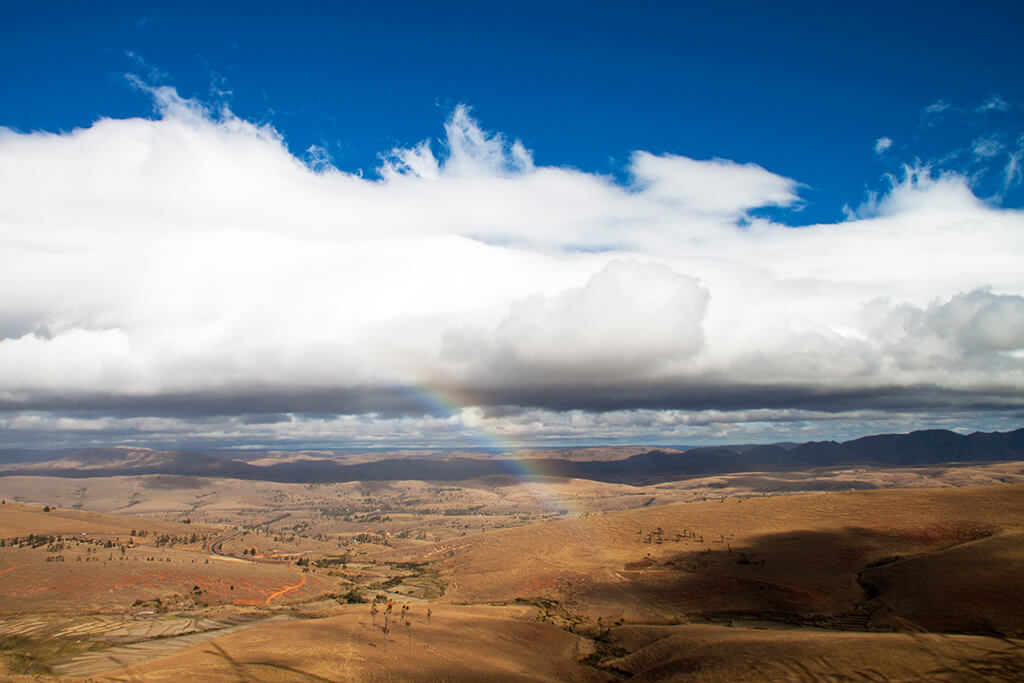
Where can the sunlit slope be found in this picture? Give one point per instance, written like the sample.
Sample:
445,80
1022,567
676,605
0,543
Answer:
74,562
458,644
784,555
21,520
718,653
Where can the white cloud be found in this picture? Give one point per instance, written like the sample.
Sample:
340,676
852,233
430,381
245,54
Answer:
318,157
470,152
1012,170
980,333
476,428
882,145
979,161
193,255
716,187
987,147
935,111
994,103
626,323
919,188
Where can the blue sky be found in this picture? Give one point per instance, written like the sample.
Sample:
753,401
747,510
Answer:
451,224
803,89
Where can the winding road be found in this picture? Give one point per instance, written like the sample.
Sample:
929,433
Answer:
215,545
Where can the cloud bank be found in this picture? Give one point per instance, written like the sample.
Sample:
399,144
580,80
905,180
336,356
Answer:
188,275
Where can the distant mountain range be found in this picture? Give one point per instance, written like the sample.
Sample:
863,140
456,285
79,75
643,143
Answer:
929,447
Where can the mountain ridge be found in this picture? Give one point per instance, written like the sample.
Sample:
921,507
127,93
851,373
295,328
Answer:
918,448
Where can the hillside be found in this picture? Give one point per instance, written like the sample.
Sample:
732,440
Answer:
888,583
880,585
786,558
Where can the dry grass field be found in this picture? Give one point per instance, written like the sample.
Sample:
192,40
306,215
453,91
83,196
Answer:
720,653
68,561
790,555
707,579
458,643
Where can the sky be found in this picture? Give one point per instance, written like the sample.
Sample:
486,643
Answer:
454,225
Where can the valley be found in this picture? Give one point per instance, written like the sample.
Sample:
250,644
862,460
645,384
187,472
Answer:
881,573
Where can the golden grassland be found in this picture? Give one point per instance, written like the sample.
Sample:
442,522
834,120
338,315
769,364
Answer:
889,584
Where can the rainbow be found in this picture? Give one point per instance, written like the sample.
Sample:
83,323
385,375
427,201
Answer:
532,478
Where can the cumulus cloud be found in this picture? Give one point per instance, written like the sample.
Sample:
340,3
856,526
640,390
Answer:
919,188
978,331
189,267
882,145
626,323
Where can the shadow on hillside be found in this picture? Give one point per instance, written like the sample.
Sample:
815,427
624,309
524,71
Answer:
804,577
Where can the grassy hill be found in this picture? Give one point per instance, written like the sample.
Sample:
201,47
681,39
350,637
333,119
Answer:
792,558
889,584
